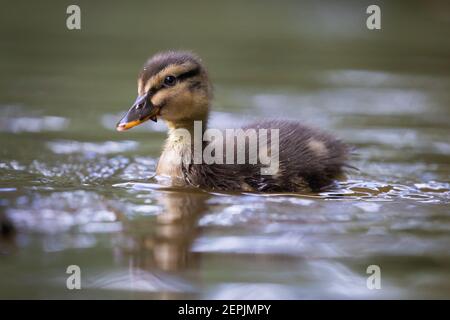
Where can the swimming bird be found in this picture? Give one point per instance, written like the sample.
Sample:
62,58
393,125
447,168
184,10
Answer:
174,86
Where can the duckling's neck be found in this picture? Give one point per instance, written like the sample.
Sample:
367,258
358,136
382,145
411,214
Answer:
178,148
186,124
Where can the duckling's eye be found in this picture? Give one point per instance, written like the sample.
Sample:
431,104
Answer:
170,81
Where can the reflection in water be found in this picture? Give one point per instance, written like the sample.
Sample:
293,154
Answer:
156,252
77,192
176,228
7,234
166,244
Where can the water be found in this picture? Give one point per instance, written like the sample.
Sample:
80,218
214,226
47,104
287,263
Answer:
77,192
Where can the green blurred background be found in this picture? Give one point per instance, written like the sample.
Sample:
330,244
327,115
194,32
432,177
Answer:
78,192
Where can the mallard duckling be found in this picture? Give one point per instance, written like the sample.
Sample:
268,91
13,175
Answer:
174,86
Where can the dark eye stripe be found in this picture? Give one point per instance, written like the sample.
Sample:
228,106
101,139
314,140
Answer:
188,74
181,77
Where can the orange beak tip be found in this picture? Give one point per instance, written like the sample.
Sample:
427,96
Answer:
128,125
121,128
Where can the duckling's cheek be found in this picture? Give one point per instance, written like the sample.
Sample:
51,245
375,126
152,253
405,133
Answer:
180,105
159,98
182,98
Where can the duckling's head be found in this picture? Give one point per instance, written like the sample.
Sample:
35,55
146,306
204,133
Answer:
174,86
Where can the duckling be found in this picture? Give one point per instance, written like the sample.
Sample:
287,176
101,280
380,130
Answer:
175,87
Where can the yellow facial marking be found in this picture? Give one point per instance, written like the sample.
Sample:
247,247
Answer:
179,91
157,80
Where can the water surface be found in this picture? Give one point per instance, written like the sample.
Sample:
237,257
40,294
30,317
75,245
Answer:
74,191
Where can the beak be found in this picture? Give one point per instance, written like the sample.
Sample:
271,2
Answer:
141,111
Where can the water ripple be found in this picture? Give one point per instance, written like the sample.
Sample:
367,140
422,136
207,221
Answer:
69,147
28,124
